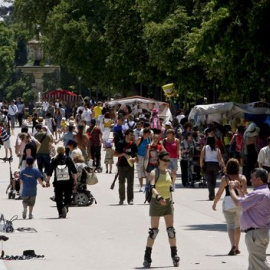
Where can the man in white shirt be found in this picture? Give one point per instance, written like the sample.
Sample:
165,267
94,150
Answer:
62,110
180,115
264,158
12,112
45,106
80,108
86,115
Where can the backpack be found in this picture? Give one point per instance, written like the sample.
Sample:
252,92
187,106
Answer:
132,127
118,135
148,189
239,142
62,172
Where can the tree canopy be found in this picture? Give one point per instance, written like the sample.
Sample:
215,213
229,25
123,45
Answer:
213,47
7,51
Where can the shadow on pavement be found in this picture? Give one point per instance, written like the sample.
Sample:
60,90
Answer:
218,255
154,267
207,227
117,204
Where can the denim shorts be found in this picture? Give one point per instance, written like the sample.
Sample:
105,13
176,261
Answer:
173,165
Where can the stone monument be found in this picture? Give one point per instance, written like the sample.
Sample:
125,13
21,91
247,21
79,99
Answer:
36,69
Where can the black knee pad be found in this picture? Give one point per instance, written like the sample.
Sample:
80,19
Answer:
153,233
171,232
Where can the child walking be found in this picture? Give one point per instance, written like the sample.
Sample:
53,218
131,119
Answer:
28,178
108,156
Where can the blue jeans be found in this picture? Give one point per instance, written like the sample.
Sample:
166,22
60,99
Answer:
43,161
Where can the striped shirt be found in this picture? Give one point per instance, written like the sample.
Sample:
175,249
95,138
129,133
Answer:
3,134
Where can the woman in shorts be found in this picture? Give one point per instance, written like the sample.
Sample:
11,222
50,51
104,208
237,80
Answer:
161,205
231,212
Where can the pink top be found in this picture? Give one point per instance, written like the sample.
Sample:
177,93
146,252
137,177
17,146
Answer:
171,148
155,123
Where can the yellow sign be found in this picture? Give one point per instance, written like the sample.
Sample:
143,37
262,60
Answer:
169,90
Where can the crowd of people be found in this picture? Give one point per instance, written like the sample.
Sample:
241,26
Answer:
156,147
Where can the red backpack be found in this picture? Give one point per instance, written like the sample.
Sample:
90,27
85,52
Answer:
239,142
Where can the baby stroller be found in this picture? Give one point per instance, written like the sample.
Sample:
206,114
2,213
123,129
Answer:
13,188
81,195
194,173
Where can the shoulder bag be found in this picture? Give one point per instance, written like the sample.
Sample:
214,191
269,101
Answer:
228,203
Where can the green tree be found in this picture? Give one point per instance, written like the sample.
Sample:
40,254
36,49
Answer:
233,47
7,52
33,13
75,38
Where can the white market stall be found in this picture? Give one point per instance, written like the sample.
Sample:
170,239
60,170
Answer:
138,103
229,111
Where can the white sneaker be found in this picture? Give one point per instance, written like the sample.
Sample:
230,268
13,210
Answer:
141,189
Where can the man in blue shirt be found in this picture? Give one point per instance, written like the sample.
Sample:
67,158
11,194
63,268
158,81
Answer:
28,179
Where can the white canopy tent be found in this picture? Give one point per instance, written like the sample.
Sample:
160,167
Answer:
138,103
226,111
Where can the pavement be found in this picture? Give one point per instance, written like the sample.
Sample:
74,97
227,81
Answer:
109,236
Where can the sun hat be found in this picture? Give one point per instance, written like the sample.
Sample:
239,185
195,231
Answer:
252,130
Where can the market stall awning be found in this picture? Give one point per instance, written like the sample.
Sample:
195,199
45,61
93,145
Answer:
137,103
63,95
228,110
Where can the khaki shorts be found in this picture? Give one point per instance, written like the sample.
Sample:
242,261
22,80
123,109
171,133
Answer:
7,144
29,201
232,217
158,210
139,167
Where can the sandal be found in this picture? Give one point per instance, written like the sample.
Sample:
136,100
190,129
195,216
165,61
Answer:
232,251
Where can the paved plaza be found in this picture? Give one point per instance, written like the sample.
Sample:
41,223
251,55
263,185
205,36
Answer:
108,236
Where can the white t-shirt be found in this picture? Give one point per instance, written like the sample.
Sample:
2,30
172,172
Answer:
45,105
264,156
80,108
48,131
86,115
210,156
12,109
130,125
180,117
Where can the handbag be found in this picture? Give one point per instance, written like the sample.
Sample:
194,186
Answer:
228,203
91,178
7,225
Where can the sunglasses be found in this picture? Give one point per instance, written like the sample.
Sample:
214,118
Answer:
165,160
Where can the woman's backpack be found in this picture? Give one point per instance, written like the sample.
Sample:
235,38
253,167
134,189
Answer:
62,171
148,189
